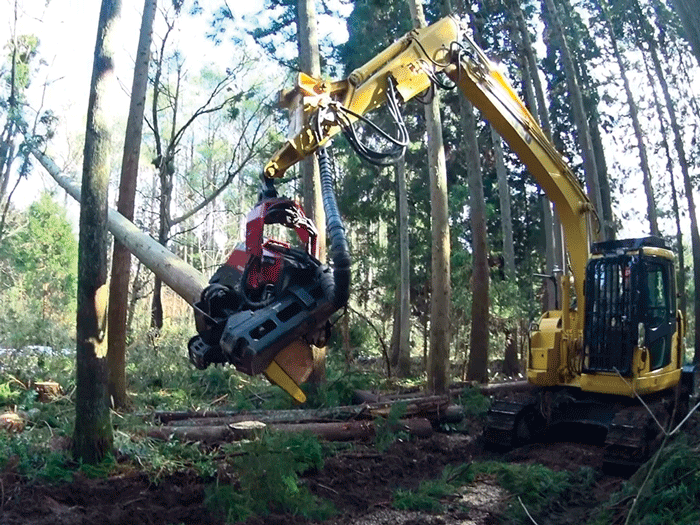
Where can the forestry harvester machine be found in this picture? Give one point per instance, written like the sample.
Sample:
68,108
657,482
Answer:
615,336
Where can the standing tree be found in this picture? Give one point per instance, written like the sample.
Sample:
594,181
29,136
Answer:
121,258
309,63
439,352
534,95
93,438
504,199
583,131
636,125
169,128
477,368
690,17
646,40
17,134
401,351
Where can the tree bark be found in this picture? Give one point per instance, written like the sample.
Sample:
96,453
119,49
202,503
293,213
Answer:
92,438
402,362
477,368
536,100
587,85
634,115
185,281
121,258
504,199
439,351
651,43
309,62
581,121
336,431
430,407
690,17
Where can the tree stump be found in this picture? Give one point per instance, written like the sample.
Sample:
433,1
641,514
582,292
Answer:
48,390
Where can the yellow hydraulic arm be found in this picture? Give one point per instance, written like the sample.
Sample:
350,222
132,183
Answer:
410,63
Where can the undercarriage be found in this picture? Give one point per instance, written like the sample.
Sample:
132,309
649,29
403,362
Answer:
629,431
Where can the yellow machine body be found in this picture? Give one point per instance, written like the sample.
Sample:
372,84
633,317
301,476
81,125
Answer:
557,353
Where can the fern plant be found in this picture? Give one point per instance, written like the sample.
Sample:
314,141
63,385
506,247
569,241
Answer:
267,479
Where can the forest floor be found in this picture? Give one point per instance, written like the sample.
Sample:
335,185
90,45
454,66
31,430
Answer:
359,481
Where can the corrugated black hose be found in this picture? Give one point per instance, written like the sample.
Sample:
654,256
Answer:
339,289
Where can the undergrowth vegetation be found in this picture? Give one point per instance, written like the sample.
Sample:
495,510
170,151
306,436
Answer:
668,493
263,477
267,475
530,488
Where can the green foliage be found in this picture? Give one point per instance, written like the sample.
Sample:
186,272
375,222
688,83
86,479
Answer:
161,376
538,487
426,498
267,474
29,457
10,393
26,47
39,274
670,495
161,458
31,453
387,430
19,369
429,493
340,384
474,403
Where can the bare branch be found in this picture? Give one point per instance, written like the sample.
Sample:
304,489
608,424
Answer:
646,479
385,350
250,145
526,511
690,413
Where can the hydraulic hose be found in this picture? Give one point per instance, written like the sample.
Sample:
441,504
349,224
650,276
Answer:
339,289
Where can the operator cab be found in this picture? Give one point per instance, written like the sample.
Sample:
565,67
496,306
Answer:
630,302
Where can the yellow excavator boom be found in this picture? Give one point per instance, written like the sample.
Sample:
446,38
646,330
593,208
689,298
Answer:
411,62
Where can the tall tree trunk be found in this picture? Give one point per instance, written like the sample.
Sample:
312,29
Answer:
477,369
690,17
402,360
531,61
121,258
588,85
534,94
7,136
439,351
583,132
93,437
634,115
477,366
549,298
609,228
651,44
504,200
309,63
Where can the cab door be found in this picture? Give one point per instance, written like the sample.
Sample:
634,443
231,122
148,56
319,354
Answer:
659,312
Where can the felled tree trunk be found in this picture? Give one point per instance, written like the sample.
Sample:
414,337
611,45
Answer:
185,280
335,431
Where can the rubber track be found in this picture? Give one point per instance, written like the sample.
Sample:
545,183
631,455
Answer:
501,420
633,435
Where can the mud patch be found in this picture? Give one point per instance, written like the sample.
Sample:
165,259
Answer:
360,483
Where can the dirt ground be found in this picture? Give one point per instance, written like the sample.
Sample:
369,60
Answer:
359,482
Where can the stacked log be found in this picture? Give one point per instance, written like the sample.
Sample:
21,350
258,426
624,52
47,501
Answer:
419,415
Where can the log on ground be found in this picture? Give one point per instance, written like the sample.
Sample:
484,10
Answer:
335,431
